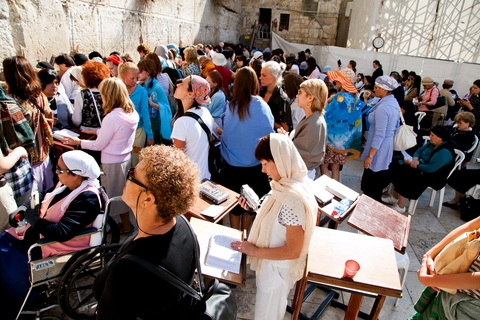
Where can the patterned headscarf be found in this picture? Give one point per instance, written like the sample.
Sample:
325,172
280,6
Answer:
201,89
386,83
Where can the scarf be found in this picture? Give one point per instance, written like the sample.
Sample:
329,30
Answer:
293,171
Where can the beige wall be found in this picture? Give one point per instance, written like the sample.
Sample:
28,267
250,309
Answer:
39,28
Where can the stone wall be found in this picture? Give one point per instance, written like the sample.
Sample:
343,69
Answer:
39,28
311,21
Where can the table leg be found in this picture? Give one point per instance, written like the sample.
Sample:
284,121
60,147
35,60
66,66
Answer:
377,307
298,297
353,306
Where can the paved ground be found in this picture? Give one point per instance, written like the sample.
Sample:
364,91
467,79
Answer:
426,230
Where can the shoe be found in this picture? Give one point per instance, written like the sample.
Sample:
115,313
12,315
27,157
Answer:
398,209
454,206
389,199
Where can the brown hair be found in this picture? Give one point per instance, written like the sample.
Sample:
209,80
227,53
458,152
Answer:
94,72
143,47
291,84
191,56
262,150
115,95
21,79
216,78
152,56
149,66
245,86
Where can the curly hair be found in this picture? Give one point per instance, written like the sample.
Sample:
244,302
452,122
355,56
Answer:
115,95
94,72
172,178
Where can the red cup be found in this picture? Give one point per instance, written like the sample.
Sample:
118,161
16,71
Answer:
351,268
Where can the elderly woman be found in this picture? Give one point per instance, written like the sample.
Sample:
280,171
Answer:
430,166
115,141
71,207
162,187
383,119
344,123
59,102
272,93
278,243
88,111
188,135
247,119
439,304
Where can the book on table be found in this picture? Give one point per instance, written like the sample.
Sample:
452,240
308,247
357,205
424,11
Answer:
220,254
64,133
335,188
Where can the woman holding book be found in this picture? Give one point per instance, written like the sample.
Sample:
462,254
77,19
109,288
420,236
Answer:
278,243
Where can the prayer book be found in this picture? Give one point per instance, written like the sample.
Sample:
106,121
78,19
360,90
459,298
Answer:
220,254
64,133
212,192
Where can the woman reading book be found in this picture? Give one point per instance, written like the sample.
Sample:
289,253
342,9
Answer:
278,243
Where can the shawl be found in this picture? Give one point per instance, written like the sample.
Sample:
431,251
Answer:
292,171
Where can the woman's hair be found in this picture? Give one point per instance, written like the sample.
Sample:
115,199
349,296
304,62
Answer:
173,53
149,66
319,91
262,150
412,73
361,76
21,79
172,178
311,65
47,76
65,59
369,79
353,63
143,47
377,63
203,59
244,87
115,95
124,68
291,84
216,78
94,72
275,70
466,117
257,67
152,56
242,58
417,83
477,83
191,56
301,57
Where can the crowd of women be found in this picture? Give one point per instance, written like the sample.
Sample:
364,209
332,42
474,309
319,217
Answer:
278,125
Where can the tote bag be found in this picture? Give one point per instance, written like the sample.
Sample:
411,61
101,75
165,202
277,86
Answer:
405,138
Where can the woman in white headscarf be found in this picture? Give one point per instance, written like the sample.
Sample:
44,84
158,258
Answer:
71,207
278,243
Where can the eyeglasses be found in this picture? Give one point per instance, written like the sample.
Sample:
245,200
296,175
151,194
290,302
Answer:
59,171
130,177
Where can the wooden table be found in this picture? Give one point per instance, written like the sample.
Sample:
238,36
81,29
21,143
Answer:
378,275
203,203
378,220
60,147
204,229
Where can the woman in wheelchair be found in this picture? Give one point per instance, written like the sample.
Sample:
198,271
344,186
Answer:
71,207
162,186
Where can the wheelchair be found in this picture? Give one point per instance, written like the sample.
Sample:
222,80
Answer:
66,281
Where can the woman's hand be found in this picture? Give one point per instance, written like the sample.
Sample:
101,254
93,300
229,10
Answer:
282,131
152,104
20,152
367,162
150,142
72,141
244,247
427,269
242,202
466,104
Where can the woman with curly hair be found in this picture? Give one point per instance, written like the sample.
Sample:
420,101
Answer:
159,189
87,108
190,64
115,141
25,88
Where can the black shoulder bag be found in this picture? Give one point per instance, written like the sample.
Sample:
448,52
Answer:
214,157
217,302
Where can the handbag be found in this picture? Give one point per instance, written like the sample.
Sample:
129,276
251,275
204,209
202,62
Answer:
405,138
15,130
217,302
469,208
441,101
458,255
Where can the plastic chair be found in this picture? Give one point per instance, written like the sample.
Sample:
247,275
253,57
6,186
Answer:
412,206
403,261
420,115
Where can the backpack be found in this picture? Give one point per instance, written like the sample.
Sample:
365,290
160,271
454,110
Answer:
15,130
174,74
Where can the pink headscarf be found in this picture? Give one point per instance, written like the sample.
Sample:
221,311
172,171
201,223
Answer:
201,89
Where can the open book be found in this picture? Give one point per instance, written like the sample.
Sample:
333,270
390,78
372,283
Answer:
220,254
64,133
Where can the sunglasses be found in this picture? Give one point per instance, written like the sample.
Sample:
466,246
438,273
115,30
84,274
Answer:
130,177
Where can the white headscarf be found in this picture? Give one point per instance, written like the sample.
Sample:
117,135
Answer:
293,171
82,164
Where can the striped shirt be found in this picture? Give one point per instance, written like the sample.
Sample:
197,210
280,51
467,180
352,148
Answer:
474,267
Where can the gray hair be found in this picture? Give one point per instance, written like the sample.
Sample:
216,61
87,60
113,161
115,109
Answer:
275,70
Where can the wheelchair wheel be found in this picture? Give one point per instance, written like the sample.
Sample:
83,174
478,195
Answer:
113,232
76,287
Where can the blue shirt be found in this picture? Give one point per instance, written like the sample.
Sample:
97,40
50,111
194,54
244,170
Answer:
139,98
240,138
216,104
383,120
164,114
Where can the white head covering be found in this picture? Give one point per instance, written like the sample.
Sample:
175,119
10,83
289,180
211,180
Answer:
82,164
293,173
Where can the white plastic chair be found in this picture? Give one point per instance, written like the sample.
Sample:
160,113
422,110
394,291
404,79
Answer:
412,206
403,261
420,115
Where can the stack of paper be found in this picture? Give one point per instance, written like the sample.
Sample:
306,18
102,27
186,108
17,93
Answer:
220,254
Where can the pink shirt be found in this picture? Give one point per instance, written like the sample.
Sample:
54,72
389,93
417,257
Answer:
430,96
115,136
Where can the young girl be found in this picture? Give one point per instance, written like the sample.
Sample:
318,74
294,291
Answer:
217,96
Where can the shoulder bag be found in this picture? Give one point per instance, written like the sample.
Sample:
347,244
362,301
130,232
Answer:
405,138
217,302
441,101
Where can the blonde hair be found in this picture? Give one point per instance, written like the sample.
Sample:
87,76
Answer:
127,66
191,56
115,95
466,117
318,89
